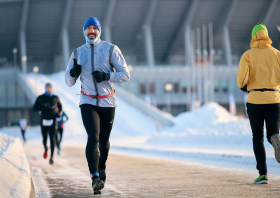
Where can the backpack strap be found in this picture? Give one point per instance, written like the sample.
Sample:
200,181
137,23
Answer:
110,57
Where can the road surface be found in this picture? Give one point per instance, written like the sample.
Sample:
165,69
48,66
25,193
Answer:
136,176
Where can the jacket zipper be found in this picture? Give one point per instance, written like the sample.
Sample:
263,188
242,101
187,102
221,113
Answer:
94,81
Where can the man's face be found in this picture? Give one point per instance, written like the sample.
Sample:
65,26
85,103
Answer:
92,32
49,89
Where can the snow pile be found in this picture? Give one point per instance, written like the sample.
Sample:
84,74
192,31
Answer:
128,120
209,125
15,180
33,132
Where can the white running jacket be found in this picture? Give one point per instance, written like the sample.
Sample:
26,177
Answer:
96,58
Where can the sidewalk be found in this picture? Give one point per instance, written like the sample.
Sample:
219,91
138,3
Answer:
132,176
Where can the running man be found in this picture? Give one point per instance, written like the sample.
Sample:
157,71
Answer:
47,104
100,64
60,125
23,127
259,74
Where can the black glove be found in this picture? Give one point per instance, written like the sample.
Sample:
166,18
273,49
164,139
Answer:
99,76
76,69
244,88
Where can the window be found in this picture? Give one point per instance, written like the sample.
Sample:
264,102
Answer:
176,87
142,88
183,85
216,86
2,94
224,85
193,89
14,116
20,97
152,88
225,89
11,93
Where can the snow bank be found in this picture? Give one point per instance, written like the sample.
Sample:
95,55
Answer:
15,180
128,120
210,125
33,132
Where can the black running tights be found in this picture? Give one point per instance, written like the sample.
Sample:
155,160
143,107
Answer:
258,113
51,130
58,140
23,134
98,122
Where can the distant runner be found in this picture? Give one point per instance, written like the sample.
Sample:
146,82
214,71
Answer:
100,64
60,125
259,74
47,104
23,127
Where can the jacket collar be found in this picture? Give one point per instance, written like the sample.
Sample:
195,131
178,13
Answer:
261,40
95,44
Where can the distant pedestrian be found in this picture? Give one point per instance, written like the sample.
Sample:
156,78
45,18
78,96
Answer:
23,127
47,104
259,74
60,125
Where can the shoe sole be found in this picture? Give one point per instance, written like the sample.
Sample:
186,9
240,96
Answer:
97,192
261,182
275,140
98,186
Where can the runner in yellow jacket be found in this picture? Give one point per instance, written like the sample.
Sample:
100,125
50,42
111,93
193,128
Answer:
259,74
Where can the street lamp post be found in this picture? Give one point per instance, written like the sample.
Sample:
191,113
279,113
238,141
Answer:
168,87
15,57
35,70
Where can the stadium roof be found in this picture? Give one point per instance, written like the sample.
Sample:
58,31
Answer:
125,20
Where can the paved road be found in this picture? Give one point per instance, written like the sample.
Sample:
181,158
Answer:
129,176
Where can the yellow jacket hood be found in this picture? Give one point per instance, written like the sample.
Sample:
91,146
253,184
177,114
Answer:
261,40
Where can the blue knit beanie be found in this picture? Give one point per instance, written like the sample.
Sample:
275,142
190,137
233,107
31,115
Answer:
92,21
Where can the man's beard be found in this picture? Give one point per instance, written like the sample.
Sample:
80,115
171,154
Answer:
93,35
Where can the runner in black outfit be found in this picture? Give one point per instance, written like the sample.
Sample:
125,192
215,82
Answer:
47,104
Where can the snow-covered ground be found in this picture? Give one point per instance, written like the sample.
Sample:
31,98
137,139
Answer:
15,177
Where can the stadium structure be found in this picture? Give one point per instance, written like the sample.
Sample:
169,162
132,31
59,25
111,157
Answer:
194,45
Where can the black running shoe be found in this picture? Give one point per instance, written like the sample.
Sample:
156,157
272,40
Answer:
97,184
51,161
102,175
97,192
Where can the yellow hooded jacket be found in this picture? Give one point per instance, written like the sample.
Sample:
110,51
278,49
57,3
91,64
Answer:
259,68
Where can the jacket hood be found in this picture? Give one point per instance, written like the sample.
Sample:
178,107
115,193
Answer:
261,40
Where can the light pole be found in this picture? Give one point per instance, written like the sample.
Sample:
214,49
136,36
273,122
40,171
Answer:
35,70
15,57
168,87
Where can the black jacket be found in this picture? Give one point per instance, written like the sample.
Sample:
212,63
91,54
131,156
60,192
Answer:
47,105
